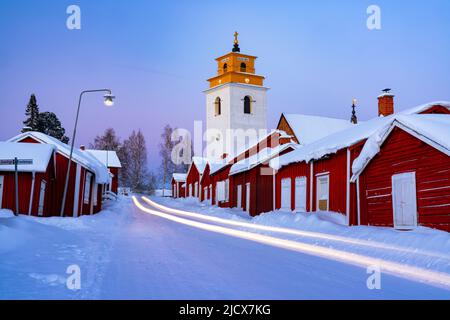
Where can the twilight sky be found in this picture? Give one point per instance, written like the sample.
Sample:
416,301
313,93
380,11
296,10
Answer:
157,55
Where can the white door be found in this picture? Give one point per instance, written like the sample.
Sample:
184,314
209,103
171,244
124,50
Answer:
239,197
205,193
300,194
2,180
247,197
323,193
42,198
404,200
286,194
196,189
190,190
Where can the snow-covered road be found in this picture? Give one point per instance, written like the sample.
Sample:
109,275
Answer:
127,253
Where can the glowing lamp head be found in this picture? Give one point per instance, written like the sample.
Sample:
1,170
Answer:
109,99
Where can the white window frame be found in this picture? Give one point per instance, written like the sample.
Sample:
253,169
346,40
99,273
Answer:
321,177
87,188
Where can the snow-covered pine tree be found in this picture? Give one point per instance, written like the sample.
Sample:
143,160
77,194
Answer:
168,167
49,124
32,113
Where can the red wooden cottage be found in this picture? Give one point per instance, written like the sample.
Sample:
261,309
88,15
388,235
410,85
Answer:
109,159
317,176
178,185
403,174
252,180
194,175
36,181
219,174
87,178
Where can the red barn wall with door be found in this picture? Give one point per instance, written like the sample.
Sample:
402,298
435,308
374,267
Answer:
220,175
401,153
205,183
25,180
336,166
192,178
115,179
292,171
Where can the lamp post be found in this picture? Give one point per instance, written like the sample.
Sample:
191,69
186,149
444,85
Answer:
109,102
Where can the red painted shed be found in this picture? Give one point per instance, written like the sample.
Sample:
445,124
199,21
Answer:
86,179
109,159
36,181
325,167
252,180
194,175
403,174
178,183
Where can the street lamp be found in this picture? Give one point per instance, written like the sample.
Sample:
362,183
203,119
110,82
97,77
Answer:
109,102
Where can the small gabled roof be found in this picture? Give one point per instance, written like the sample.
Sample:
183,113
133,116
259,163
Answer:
85,159
39,153
308,129
107,157
259,158
179,177
200,163
433,129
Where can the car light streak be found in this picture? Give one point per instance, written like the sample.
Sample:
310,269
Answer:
295,232
409,272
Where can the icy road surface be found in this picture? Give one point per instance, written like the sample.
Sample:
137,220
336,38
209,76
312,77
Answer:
128,253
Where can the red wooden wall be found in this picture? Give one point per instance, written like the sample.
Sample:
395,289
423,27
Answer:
402,153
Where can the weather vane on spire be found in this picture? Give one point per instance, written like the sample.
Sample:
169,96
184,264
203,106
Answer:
236,43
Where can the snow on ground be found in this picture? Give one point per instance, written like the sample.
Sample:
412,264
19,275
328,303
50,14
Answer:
126,253
36,252
423,247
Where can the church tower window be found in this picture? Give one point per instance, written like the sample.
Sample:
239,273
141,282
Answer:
225,68
243,67
247,105
218,107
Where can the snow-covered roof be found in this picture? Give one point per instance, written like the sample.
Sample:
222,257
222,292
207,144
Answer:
217,165
434,128
85,159
345,138
39,153
308,129
261,157
107,157
200,163
423,107
179,177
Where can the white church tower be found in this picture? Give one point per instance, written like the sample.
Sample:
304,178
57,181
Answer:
236,105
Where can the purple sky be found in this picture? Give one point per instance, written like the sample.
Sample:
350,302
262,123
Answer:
156,56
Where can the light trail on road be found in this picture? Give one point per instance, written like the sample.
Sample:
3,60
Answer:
309,234
437,279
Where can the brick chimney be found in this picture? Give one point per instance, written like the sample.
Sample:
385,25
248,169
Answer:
82,147
386,103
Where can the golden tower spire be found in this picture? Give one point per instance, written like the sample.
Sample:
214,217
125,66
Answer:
236,43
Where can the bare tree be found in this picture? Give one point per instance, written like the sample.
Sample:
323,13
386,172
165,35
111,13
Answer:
165,151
